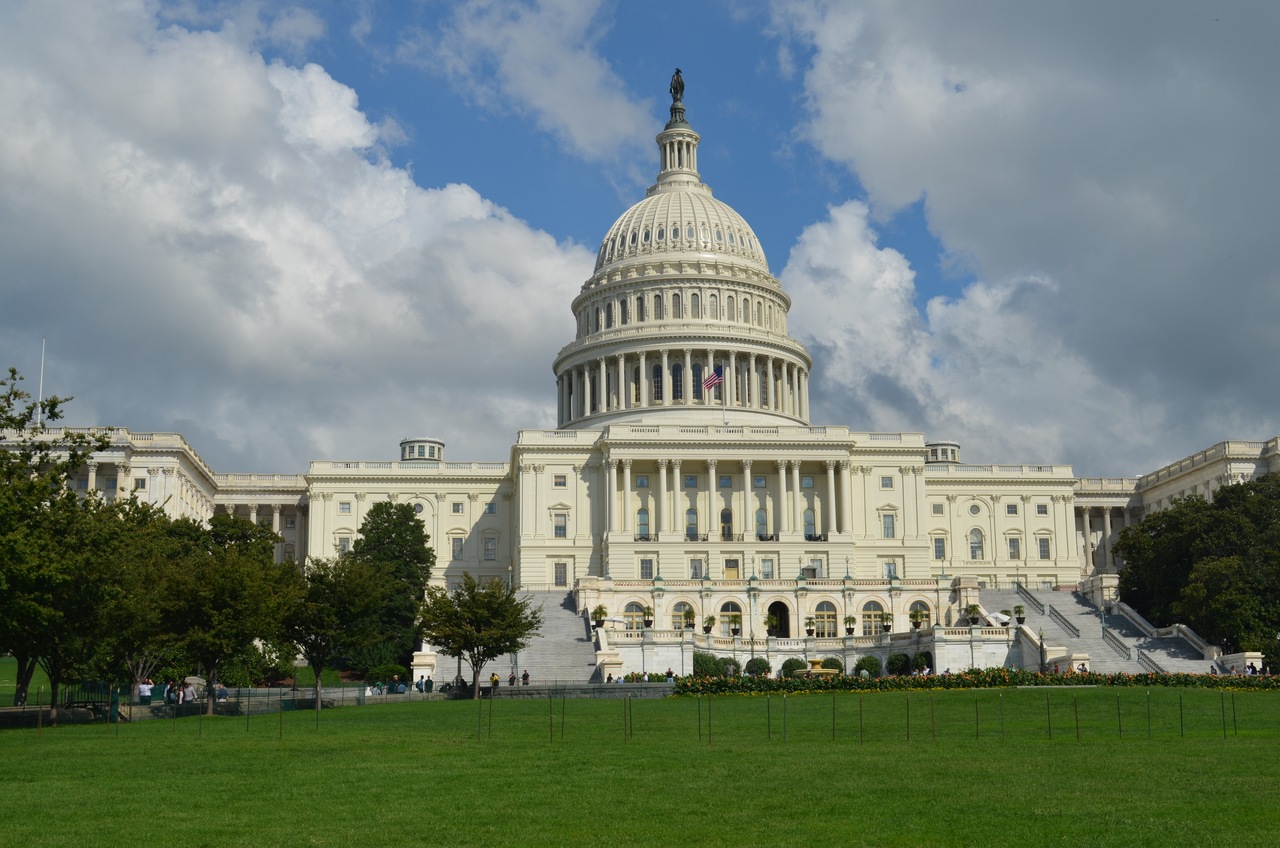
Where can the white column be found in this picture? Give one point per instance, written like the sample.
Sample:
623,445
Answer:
754,383
1088,539
846,498
786,388
677,485
769,393
780,511
686,381
623,398
666,380
610,505
663,505
626,495
709,397
1107,565
644,381
603,404
275,528
731,381
713,514
797,522
748,519
93,475
829,521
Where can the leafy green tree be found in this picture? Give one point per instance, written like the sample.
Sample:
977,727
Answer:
478,622
393,540
36,504
340,610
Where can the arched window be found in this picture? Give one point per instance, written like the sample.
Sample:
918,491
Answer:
810,529
691,524
726,525
657,382
871,612
824,620
624,311
919,611
975,544
595,323
677,381
769,314
608,315
677,616
633,615
635,385
762,524
758,316
695,306
713,307
657,307
676,310
731,309
640,308
728,609
642,523
662,234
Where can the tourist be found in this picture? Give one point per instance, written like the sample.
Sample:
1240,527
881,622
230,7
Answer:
524,678
188,693
144,692
494,680
609,679
671,675
421,684
223,694
511,679
429,685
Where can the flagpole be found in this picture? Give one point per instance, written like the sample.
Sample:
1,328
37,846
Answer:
40,399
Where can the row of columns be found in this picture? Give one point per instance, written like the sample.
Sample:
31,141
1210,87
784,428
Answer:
608,384
837,514
1108,565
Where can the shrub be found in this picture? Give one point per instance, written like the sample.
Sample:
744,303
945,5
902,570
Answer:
833,662
792,665
871,665
758,667
383,673
729,667
898,664
919,662
706,665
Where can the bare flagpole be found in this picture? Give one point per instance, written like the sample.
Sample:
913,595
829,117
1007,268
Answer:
40,401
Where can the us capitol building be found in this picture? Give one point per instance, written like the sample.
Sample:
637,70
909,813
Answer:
685,474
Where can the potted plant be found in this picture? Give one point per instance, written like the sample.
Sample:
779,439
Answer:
808,625
849,622
735,623
771,624
708,623
647,612
974,612
917,618
1020,613
886,621
1008,619
688,618
599,614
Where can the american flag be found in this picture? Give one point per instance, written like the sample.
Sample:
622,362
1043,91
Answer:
713,379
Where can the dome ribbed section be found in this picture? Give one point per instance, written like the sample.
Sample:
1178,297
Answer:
681,222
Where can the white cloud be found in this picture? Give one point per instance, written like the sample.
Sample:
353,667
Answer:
214,245
1106,173
537,58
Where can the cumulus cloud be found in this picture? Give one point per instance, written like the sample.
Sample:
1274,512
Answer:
1104,173
224,252
538,58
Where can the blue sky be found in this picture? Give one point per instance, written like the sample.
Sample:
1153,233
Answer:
301,231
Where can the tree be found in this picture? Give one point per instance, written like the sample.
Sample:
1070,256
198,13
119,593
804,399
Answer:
340,610
227,592
478,622
35,467
393,540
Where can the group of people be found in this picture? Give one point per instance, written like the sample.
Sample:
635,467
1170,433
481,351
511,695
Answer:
495,681
642,677
177,694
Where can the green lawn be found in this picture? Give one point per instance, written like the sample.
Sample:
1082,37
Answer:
9,678
416,773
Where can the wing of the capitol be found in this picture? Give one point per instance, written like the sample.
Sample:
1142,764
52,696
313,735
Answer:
685,475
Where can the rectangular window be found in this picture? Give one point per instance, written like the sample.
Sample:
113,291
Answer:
290,523
939,548
490,508
344,544
815,569
890,570
456,542
726,481
1042,509
490,548
1015,547
691,481
562,573
1044,548
758,481
642,481
887,525
646,569
806,482
457,507
766,569
695,569
561,523
732,570
937,509
139,483
82,484
344,507
289,554
1011,509
560,481
886,482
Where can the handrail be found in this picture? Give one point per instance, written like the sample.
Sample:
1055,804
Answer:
1063,623
1115,644
1136,619
1029,598
1144,660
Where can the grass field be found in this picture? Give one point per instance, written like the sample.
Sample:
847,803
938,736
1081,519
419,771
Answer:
452,773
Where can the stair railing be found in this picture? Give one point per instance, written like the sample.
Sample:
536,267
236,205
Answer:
1144,660
1029,598
1062,622
1113,641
